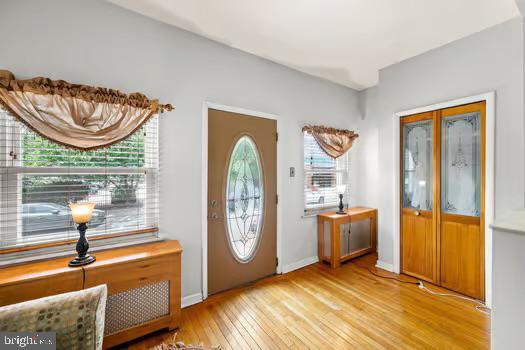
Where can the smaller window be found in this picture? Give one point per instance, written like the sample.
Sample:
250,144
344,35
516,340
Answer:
322,175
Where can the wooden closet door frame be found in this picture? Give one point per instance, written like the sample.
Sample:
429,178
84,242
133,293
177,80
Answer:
490,113
431,115
437,118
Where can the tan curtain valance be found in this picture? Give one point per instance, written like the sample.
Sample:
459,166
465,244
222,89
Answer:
335,142
77,116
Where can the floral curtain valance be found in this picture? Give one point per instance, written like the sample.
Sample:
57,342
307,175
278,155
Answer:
77,116
335,142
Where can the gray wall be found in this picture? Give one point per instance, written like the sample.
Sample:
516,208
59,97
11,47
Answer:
486,61
509,287
94,42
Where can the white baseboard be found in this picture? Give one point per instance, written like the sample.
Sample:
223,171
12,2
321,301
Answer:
191,300
385,266
299,264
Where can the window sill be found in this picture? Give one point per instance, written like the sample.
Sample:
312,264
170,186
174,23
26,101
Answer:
69,249
310,213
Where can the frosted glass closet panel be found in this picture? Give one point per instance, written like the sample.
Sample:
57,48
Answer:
417,164
460,164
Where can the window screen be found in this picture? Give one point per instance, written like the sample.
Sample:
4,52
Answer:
38,179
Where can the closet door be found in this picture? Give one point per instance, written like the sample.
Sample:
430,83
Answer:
462,183
418,219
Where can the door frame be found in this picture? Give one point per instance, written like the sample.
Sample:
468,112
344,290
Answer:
490,113
204,194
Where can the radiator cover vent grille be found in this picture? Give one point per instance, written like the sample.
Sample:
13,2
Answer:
135,306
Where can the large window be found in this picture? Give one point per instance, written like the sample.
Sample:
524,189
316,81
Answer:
38,179
322,174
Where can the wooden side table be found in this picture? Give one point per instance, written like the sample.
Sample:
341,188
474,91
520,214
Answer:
336,220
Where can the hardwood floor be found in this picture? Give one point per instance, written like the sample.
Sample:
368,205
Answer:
319,308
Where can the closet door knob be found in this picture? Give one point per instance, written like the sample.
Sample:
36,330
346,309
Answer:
417,213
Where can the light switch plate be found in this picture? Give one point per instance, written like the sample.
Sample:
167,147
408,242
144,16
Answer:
292,171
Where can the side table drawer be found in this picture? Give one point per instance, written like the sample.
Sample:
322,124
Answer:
134,274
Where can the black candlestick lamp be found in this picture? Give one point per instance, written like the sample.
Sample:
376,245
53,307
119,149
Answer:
81,213
341,190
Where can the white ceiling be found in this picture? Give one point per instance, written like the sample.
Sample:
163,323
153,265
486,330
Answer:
345,41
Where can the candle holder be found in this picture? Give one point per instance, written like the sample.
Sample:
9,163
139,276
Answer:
341,190
81,213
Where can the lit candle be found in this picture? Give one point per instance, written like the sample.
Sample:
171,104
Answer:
81,212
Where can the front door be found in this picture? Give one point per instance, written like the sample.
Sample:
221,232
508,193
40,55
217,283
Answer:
242,199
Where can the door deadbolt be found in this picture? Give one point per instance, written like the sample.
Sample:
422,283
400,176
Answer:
214,203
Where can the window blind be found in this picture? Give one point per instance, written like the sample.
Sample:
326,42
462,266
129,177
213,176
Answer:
38,179
322,174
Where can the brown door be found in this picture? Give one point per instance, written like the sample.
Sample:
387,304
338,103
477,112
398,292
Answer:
242,199
418,218
462,202
443,183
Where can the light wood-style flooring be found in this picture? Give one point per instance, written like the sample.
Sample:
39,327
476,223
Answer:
320,308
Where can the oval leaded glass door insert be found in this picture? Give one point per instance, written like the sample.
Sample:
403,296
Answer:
244,198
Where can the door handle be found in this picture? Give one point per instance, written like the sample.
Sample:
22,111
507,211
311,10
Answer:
417,213
214,216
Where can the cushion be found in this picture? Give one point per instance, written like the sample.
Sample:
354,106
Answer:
76,317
